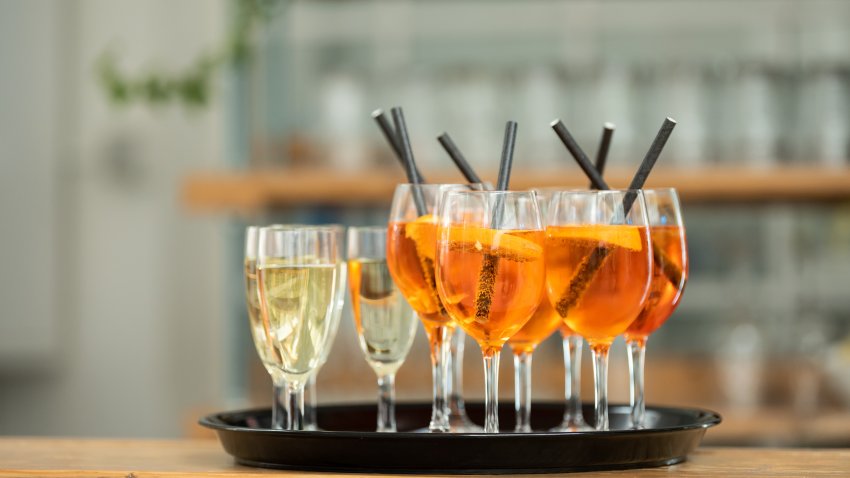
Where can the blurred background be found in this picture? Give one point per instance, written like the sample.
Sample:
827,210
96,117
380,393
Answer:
139,137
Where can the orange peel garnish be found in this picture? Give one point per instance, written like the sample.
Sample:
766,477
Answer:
423,233
499,243
628,237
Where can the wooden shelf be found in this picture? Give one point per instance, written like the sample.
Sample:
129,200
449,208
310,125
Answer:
246,191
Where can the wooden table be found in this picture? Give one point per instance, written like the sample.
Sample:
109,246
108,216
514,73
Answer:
50,457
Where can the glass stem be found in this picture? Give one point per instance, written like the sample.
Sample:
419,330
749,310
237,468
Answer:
572,381
637,352
522,392
600,372
386,403
491,391
295,407
278,407
440,348
456,409
310,404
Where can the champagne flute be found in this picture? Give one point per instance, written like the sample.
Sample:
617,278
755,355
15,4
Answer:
385,322
411,251
490,272
598,270
669,275
299,272
310,394
266,350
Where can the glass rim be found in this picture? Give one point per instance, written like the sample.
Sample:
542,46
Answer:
436,186
666,190
600,192
301,227
494,193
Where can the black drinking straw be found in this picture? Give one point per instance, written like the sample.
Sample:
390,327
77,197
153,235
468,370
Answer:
392,138
588,267
652,155
579,155
490,262
454,153
409,163
507,156
604,146
648,162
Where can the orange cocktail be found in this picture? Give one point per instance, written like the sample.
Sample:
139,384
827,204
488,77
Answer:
603,305
538,328
669,275
411,251
664,295
490,272
598,270
493,311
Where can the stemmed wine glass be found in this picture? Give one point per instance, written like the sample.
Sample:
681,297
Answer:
573,420
541,325
300,271
490,272
598,270
266,350
411,253
669,275
572,344
385,322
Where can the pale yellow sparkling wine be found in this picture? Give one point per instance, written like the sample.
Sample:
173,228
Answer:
300,304
385,322
259,331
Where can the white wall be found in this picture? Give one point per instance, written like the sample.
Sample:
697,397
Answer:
136,313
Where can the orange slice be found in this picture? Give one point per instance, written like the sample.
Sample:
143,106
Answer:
628,237
423,233
500,243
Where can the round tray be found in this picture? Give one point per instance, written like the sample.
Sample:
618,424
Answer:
348,442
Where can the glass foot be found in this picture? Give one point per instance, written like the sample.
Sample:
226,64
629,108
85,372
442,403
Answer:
460,423
572,425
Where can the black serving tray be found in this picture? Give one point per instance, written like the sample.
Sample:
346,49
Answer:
348,442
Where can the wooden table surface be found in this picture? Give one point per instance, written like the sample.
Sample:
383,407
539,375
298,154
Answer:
51,457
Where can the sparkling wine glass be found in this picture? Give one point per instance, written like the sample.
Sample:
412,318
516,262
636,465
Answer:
598,270
385,322
669,275
311,397
266,350
490,272
300,271
411,252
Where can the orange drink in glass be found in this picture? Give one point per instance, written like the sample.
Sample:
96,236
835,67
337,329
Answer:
411,253
669,275
598,270
490,272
